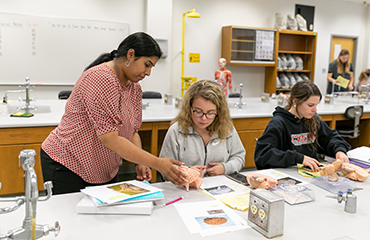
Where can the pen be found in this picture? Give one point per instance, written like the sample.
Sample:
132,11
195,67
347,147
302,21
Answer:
309,174
173,201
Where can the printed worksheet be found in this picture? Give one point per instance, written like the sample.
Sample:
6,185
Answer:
210,217
219,187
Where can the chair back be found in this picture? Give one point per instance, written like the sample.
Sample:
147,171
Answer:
151,94
234,95
352,113
64,94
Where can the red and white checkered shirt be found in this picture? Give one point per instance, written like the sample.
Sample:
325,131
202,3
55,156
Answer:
99,104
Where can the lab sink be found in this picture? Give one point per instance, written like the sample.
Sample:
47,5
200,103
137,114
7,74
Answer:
38,109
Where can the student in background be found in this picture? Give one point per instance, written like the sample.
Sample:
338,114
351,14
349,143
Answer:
340,67
295,134
363,79
202,135
101,122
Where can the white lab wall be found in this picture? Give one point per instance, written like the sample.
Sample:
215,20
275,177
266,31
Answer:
127,11
367,38
163,19
204,35
158,19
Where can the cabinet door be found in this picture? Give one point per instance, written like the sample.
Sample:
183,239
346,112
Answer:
11,171
249,139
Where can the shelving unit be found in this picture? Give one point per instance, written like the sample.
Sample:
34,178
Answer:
246,46
293,42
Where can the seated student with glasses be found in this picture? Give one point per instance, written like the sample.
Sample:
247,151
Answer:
202,135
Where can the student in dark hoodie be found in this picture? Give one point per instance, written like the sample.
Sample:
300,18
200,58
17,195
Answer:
296,134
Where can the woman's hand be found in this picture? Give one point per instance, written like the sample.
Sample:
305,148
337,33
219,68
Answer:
143,173
311,163
342,156
350,87
215,169
167,168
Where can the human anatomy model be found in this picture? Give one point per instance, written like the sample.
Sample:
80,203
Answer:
193,177
257,180
223,76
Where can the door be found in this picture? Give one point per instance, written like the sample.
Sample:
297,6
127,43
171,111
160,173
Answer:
339,43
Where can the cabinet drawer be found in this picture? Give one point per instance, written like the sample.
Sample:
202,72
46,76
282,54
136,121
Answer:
24,135
251,123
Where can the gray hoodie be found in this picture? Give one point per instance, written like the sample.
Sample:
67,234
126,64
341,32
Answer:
191,150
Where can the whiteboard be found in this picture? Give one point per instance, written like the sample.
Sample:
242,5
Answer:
52,51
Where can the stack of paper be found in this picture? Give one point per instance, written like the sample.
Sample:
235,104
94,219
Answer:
360,156
128,197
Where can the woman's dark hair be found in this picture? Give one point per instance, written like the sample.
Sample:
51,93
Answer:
143,44
302,91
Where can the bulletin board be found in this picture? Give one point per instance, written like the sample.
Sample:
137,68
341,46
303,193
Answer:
53,51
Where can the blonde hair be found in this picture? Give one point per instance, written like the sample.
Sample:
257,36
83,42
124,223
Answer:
209,90
343,67
364,76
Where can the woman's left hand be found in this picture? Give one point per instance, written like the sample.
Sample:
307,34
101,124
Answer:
143,173
350,87
342,156
215,169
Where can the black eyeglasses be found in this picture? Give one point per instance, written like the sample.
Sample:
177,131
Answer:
200,114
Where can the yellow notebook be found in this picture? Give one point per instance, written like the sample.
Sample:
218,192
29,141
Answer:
343,81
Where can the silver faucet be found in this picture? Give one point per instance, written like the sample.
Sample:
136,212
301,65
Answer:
28,100
29,230
349,198
27,89
240,104
333,85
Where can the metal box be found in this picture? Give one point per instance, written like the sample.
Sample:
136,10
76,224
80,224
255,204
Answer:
178,102
281,101
266,212
329,99
265,97
168,98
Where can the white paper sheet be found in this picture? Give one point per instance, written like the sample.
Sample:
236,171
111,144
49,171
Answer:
220,187
210,217
337,49
360,153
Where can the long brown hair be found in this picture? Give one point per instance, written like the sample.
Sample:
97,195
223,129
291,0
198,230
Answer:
209,90
302,91
343,67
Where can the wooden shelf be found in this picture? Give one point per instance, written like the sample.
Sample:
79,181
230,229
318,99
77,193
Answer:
239,46
240,40
294,70
248,51
295,32
295,52
292,42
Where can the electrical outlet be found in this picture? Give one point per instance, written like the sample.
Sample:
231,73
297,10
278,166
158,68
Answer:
323,70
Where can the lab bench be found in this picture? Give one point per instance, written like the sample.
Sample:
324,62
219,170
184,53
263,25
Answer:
250,121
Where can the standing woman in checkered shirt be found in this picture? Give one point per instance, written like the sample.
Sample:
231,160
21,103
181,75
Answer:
101,121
